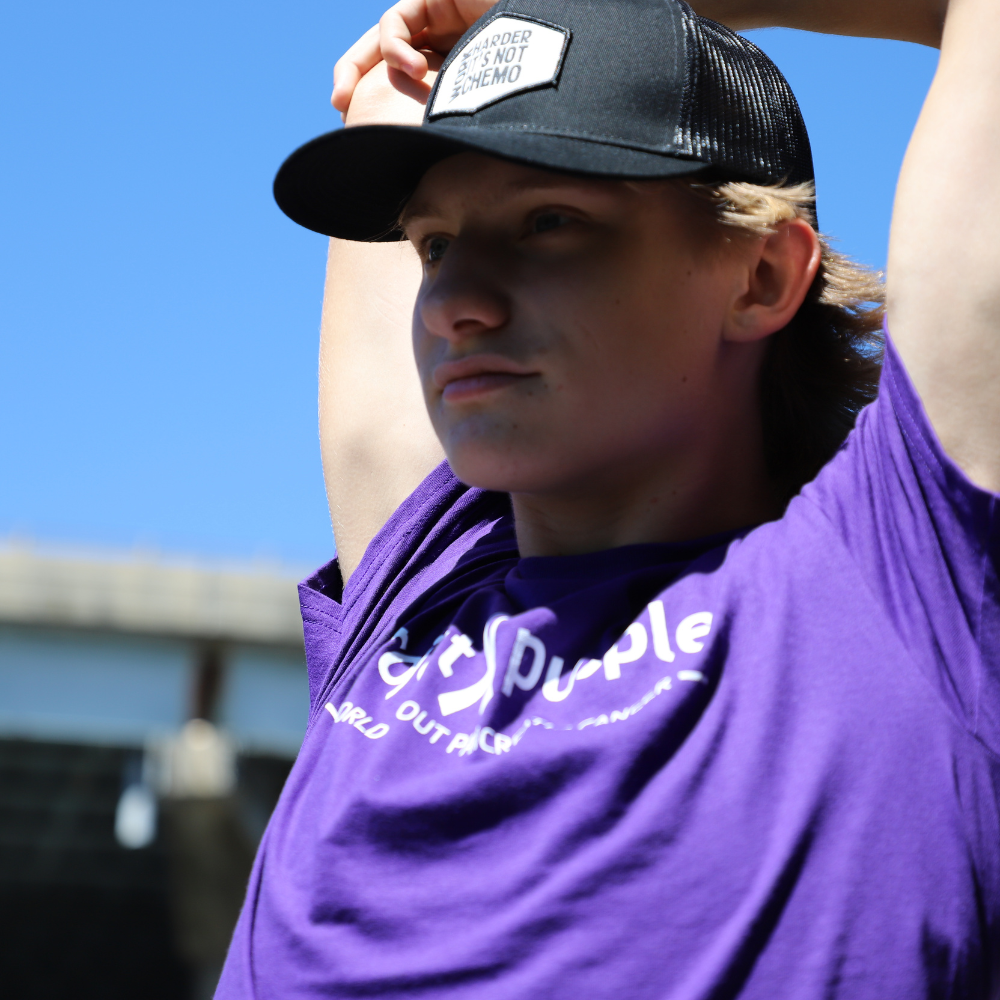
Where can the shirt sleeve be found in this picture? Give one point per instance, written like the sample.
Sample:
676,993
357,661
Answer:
422,541
927,543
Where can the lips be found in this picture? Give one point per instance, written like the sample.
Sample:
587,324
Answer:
477,375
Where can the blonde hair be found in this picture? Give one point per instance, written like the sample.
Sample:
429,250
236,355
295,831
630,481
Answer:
824,367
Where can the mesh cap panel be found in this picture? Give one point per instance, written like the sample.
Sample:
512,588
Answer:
739,112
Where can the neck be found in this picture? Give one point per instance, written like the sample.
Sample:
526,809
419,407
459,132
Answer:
666,498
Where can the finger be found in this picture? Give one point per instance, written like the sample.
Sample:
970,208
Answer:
345,79
449,19
397,28
419,90
454,15
352,65
405,84
469,11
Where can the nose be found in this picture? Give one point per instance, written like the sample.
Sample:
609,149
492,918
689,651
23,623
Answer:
463,298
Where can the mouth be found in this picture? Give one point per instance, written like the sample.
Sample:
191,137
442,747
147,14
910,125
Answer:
477,376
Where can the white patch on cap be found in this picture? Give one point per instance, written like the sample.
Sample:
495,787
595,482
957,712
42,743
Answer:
508,55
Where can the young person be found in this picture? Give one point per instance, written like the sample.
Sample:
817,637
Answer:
664,685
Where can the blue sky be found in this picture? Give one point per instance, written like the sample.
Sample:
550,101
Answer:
158,314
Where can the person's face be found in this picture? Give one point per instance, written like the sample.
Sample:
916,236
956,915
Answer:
565,328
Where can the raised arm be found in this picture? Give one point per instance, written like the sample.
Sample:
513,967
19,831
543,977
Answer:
944,254
376,438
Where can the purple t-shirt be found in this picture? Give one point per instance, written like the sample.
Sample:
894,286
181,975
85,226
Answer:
763,764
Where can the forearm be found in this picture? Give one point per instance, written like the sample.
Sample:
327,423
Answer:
376,437
911,21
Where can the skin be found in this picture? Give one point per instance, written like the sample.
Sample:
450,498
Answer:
943,292
593,348
376,441
943,289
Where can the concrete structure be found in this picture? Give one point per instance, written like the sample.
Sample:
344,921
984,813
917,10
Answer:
101,658
114,650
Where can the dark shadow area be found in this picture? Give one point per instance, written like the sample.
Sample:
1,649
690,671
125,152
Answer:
80,915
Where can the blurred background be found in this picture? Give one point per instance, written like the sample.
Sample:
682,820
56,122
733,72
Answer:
160,484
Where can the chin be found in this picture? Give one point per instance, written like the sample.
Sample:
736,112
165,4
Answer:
499,470
508,454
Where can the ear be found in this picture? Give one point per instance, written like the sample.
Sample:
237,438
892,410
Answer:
780,268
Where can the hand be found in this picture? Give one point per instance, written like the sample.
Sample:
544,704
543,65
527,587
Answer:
405,38
376,101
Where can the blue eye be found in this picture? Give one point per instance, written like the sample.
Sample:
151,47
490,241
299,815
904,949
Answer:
436,247
548,220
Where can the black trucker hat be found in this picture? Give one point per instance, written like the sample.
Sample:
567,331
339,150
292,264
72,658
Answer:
610,88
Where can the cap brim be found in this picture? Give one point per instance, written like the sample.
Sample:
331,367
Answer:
353,183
